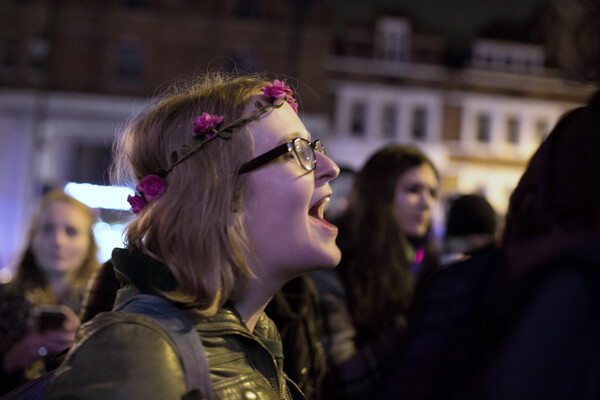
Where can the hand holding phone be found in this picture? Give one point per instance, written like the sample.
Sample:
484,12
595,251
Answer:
52,330
51,317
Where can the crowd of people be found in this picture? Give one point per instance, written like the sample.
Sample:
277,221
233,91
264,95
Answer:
231,240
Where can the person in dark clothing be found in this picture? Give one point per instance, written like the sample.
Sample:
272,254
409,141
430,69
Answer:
471,224
296,312
452,296
530,328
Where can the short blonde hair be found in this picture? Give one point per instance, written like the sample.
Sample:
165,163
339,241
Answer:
196,226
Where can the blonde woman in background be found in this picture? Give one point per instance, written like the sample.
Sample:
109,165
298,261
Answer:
58,260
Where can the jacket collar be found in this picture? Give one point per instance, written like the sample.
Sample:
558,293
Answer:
149,275
228,319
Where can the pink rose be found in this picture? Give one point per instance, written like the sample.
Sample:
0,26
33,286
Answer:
137,203
206,122
153,186
277,90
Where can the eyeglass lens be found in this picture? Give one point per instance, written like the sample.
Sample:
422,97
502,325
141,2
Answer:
305,153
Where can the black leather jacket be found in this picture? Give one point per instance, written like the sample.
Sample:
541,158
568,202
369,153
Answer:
130,360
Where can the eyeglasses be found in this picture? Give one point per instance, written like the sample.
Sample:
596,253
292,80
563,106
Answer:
302,149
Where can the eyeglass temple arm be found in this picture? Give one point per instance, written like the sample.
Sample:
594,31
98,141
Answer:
264,158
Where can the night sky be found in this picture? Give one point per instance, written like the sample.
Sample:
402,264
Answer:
457,20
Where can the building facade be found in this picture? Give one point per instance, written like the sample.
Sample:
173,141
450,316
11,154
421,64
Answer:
479,122
73,71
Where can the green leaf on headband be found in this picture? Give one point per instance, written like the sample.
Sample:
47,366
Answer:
174,157
225,134
258,104
184,149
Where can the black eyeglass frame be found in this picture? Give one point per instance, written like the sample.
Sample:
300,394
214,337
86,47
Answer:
282,149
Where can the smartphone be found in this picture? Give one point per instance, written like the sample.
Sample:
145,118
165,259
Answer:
51,316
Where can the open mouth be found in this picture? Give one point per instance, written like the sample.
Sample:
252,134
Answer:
318,210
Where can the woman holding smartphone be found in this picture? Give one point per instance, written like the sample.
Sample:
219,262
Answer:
39,307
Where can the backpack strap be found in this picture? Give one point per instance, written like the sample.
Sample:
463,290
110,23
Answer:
182,332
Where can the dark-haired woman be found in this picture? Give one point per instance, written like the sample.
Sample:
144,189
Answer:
386,252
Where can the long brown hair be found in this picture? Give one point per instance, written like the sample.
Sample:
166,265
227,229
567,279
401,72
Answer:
375,250
28,274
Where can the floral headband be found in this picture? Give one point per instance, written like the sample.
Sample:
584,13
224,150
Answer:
206,128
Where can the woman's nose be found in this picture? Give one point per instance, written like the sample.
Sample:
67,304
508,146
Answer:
326,168
59,237
427,199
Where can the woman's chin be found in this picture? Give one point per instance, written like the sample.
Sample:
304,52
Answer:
333,258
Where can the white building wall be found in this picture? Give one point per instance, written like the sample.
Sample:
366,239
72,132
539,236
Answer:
352,150
500,108
495,179
16,169
38,135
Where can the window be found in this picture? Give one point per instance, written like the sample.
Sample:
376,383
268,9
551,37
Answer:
512,130
37,53
129,62
8,53
419,123
483,128
389,117
358,115
92,161
393,39
508,56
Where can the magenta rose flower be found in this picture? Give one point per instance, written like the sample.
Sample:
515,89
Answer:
137,203
277,90
205,123
153,186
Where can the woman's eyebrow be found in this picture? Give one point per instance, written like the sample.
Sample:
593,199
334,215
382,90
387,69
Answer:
295,135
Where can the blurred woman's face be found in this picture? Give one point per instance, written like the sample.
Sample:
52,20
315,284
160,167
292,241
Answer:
62,239
284,204
415,196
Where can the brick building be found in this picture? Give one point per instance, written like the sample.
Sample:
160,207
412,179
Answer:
73,71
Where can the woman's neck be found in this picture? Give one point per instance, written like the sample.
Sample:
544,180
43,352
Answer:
58,283
253,303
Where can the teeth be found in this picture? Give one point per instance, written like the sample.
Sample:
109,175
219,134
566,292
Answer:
318,210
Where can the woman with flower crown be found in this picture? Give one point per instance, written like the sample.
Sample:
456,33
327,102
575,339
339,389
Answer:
229,207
